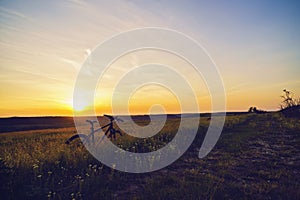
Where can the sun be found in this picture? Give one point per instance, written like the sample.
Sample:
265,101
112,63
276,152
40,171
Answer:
79,105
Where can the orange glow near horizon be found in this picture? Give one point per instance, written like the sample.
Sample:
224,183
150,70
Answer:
141,102
136,107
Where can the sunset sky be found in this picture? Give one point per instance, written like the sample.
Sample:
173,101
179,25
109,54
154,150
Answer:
255,45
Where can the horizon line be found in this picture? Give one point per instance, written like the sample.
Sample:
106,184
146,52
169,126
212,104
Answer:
190,113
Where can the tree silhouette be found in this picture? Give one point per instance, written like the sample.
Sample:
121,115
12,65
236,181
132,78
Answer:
288,100
255,110
250,109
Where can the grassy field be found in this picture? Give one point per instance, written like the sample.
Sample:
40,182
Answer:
257,156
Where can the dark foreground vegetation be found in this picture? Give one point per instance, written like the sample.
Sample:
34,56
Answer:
257,157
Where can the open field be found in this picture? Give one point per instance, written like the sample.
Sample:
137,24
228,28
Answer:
257,157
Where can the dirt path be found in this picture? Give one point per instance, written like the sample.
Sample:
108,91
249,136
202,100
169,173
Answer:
267,166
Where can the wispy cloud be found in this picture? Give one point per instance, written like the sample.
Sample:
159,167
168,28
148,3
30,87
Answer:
19,76
12,13
238,87
87,53
78,2
73,63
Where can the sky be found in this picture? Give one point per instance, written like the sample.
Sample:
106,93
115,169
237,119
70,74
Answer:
43,44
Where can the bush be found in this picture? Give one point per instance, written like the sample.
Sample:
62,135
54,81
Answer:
288,100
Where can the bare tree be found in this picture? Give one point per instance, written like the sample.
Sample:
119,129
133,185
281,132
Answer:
288,100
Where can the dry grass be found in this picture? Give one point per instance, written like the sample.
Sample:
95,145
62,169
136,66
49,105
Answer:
37,164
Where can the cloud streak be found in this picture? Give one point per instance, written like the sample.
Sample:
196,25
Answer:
12,13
